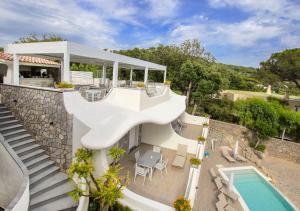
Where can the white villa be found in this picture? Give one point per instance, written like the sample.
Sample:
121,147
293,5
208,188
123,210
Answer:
41,128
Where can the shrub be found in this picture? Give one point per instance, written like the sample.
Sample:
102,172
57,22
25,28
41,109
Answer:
167,82
64,85
182,204
261,148
195,161
205,125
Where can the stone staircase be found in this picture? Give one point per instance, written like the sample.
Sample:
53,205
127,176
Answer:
48,186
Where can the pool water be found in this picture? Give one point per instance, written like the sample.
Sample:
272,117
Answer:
258,194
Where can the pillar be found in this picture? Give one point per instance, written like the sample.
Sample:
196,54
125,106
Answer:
146,75
115,74
16,70
130,79
65,71
165,76
103,73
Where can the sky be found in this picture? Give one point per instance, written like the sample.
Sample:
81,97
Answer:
241,32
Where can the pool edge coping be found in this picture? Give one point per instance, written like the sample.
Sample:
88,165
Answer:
240,199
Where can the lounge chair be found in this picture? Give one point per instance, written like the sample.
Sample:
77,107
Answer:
230,208
218,183
229,194
180,157
140,171
221,204
213,173
221,196
240,158
227,156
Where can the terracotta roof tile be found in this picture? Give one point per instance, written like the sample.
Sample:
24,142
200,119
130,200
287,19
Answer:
28,59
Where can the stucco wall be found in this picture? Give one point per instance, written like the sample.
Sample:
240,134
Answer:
43,114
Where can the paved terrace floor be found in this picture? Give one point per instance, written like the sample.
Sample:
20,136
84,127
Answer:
164,189
191,131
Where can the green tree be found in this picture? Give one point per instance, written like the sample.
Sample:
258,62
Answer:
40,38
259,116
104,190
285,64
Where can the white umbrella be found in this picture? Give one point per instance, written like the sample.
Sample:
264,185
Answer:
236,148
231,181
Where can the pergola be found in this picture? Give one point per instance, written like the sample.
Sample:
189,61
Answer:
67,52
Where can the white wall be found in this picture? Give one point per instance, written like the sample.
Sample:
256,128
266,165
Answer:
165,136
7,79
194,120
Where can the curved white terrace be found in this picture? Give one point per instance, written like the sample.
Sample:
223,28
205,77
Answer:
110,119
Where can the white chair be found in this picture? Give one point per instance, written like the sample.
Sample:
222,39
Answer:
141,171
137,155
156,149
161,166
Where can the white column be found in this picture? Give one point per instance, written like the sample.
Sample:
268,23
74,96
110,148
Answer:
16,70
103,73
115,74
65,72
165,76
146,75
131,72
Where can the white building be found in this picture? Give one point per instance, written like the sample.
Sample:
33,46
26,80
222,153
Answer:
129,117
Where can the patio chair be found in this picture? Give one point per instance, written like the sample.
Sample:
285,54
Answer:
227,156
230,208
156,149
180,157
213,173
161,166
221,196
140,171
230,194
221,204
137,155
218,183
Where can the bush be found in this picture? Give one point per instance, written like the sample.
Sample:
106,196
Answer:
195,161
140,85
182,204
167,82
62,85
261,148
201,139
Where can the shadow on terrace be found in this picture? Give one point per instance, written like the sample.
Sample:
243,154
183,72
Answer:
162,188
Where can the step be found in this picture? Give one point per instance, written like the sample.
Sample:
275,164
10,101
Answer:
18,139
49,183
65,203
8,117
32,155
8,123
35,180
15,133
9,129
42,167
37,161
19,145
28,149
5,113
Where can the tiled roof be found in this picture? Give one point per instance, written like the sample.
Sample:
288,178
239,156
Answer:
28,59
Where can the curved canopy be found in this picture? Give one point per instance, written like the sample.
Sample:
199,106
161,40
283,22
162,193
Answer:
109,120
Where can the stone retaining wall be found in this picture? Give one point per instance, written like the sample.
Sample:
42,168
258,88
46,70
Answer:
43,114
283,149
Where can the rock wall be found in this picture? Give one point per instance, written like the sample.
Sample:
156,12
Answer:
43,114
283,149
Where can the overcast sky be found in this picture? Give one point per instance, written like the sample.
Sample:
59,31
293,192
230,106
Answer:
242,32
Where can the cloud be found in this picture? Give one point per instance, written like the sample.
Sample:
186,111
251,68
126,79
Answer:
161,9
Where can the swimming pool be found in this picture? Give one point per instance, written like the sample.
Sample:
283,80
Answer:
256,192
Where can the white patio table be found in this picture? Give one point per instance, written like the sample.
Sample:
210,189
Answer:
149,159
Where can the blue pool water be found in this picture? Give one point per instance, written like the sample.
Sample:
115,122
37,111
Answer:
258,194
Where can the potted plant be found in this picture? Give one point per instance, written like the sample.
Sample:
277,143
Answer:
140,85
182,204
201,139
64,86
167,83
195,162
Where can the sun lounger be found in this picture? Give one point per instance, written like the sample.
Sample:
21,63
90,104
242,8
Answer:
240,158
221,196
180,157
213,173
229,194
227,156
218,183
221,204
230,208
